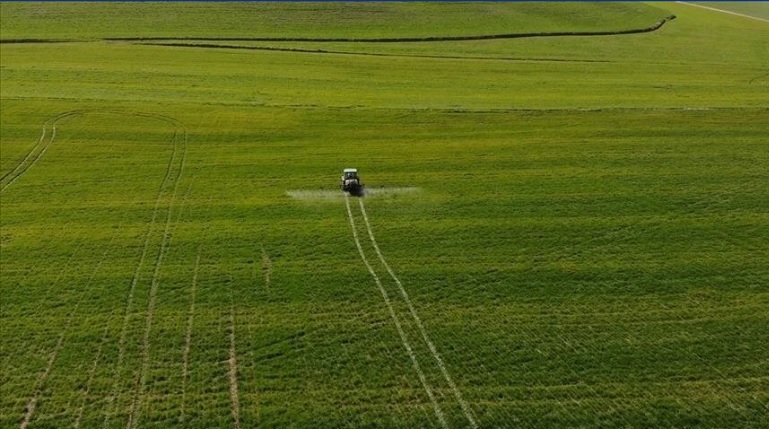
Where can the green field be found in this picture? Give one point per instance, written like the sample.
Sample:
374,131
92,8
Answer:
565,231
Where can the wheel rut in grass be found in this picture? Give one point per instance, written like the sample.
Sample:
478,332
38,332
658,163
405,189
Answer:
188,338
73,314
405,313
396,320
45,140
141,383
166,193
232,363
32,404
91,375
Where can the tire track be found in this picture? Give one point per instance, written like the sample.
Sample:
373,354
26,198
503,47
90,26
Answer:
32,404
457,394
92,371
404,340
91,376
188,337
232,362
37,151
110,406
133,416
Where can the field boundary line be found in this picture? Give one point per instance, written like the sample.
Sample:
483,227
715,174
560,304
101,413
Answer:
650,28
457,394
742,15
401,332
188,336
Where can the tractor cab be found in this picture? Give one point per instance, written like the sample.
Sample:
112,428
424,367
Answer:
350,174
350,182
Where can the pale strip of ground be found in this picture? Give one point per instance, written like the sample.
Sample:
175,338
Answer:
401,332
742,15
233,373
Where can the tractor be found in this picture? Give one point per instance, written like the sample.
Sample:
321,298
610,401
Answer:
351,183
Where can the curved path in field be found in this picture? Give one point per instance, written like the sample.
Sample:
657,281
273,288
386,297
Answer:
742,15
37,151
168,190
48,136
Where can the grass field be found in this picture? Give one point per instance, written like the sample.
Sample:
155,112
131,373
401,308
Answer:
562,231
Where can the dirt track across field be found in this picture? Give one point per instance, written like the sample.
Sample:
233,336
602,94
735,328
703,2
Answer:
724,11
